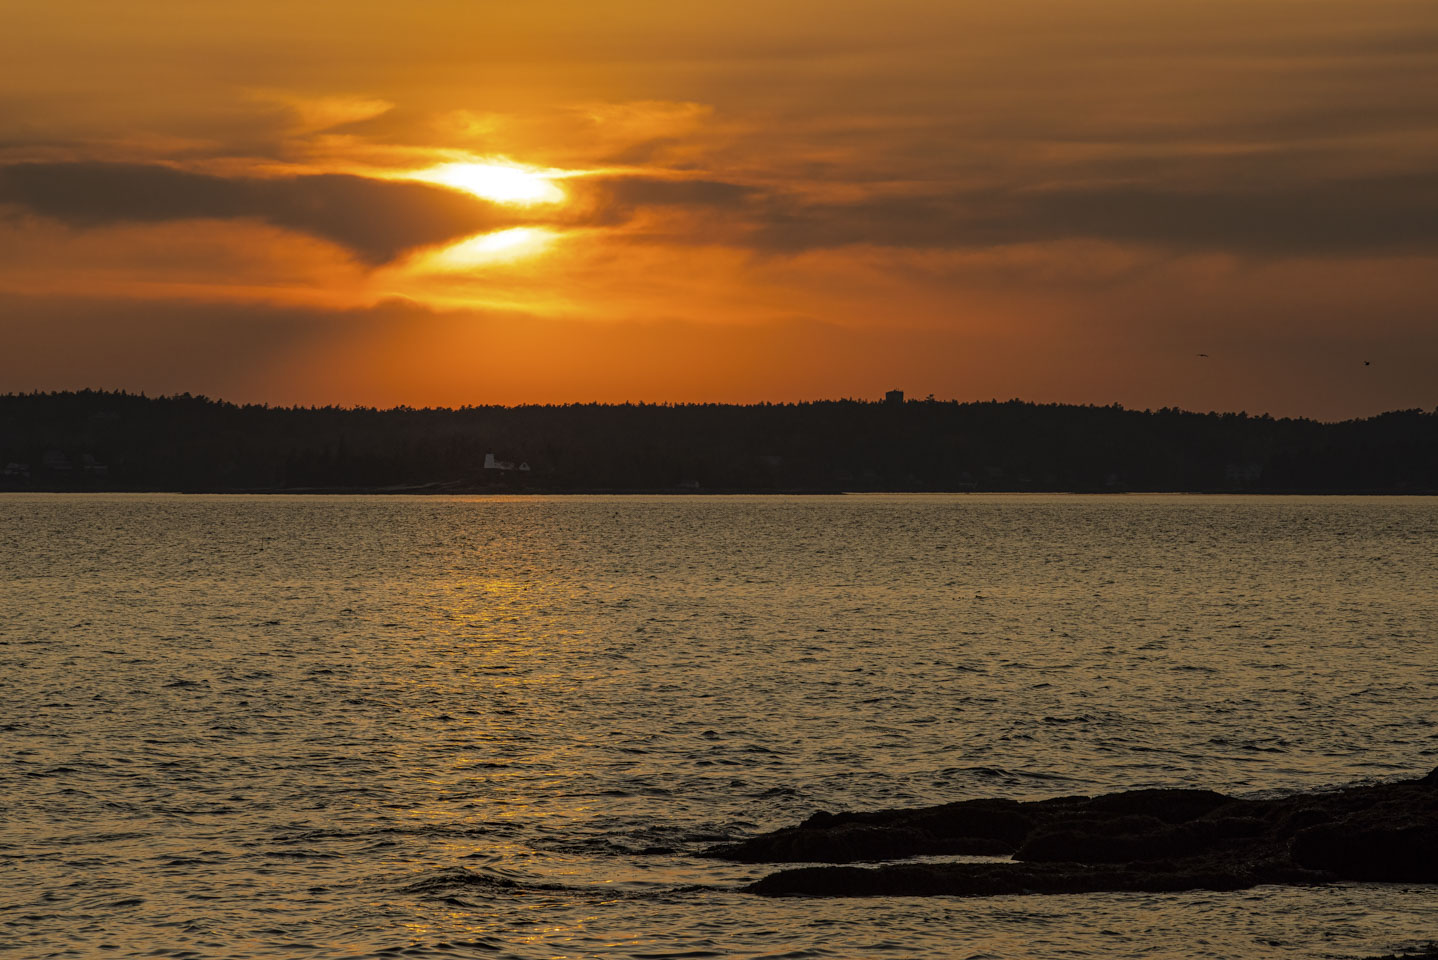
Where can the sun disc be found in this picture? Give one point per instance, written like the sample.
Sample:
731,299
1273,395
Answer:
499,182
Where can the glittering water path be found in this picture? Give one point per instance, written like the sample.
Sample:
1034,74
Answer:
332,726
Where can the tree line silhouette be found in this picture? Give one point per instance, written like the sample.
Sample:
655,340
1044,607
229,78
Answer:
97,440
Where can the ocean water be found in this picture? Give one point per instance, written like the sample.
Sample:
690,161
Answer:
503,727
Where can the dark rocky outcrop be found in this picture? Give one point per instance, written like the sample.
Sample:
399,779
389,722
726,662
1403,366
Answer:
1141,840
1430,952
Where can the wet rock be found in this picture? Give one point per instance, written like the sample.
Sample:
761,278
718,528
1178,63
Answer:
973,827
1140,840
1430,952
1402,852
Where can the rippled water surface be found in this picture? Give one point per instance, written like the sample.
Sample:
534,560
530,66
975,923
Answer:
333,727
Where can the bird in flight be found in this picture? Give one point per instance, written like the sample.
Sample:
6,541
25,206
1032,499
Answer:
1203,355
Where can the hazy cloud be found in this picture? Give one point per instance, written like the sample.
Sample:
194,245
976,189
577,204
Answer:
1375,215
376,220
612,200
1359,216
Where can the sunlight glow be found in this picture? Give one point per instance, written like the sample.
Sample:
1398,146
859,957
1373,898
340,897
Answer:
500,182
500,246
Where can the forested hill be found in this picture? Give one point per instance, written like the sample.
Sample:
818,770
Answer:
116,441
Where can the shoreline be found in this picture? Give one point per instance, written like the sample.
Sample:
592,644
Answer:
448,490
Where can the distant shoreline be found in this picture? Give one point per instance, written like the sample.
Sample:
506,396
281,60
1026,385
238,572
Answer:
111,442
665,492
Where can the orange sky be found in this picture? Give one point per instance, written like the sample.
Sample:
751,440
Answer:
478,202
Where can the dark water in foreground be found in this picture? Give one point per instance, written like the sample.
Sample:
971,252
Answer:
333,727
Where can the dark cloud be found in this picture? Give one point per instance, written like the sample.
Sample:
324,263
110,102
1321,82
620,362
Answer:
1377,215
376,220
612,200
1260,211
654,191
646,151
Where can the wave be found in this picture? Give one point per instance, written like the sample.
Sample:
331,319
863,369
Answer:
446,882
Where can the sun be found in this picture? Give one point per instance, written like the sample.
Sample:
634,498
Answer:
508,183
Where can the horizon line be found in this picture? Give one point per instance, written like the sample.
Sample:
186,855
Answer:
884,401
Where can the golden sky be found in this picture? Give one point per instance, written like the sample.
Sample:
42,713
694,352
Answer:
456,202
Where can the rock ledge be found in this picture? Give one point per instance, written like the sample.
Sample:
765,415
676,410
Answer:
1140,840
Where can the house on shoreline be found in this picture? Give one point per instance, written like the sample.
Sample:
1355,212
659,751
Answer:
490,463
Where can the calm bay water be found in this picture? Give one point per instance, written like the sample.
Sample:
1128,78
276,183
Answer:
354,727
